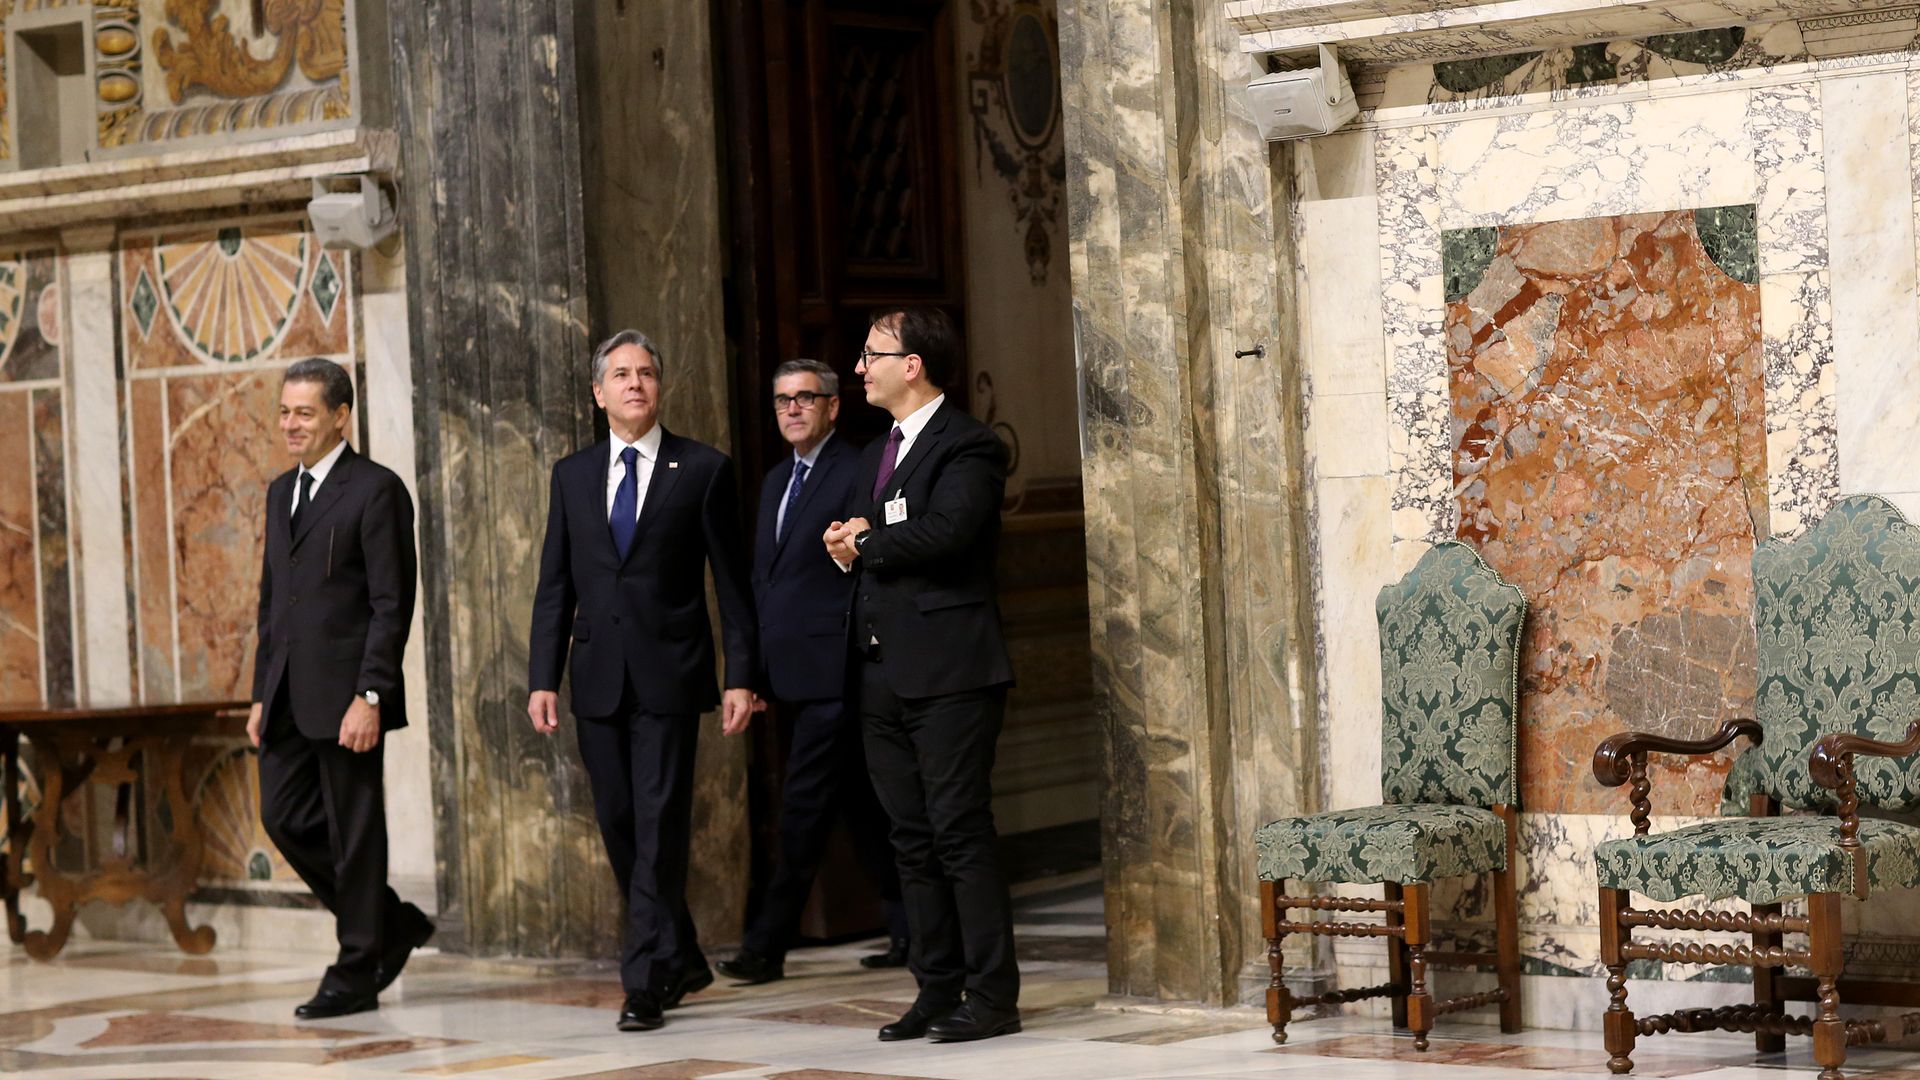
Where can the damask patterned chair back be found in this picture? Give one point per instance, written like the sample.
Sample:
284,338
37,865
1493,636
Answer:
1837,612
1449,673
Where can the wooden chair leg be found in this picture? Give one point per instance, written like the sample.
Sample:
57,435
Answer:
1506,915
1419,934
1618,1024
1826,945
1279,998
1397,958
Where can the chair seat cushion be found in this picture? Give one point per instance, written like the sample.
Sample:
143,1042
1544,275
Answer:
1403,842
1760,860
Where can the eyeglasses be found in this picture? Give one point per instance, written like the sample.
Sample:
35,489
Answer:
806,399
867,355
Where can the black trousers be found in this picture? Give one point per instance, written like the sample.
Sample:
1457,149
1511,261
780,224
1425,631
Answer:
641,768
326,809
826,776
932,765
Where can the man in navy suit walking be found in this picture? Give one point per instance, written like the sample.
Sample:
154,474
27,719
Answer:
802,599
633,524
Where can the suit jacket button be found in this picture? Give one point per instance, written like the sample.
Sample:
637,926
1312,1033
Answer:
616,620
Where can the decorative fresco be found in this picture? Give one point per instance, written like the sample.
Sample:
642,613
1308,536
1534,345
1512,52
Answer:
1014,99
209,316
1610,459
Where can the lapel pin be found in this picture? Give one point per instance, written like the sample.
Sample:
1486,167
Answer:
673,464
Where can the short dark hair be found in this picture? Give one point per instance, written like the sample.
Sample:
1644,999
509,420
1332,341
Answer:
927,331
829,379
336,386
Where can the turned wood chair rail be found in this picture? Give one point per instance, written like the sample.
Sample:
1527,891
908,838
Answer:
117,748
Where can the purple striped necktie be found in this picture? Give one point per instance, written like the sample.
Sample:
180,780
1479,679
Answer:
887,462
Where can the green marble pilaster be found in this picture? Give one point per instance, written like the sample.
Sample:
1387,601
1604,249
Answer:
1192,460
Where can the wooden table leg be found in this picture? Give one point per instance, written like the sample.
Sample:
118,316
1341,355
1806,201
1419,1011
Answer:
13,876
169,890
55,888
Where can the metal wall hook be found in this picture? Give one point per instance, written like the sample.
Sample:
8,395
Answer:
1259,350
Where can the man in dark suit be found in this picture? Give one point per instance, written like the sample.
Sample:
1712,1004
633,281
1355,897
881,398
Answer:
801,598
925,626
633,524
336,602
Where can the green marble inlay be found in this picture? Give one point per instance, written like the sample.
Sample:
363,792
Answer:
1591,64
145,302
1731,237
1466,76
230,241
1698,46
1465,255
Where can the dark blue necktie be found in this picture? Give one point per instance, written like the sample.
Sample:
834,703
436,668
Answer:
793,496
626,505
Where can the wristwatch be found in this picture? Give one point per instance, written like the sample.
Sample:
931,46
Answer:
860,541
372,697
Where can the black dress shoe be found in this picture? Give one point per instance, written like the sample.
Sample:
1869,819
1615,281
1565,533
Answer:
913,1023
640,1013
751,968
894,957
974,1020
411,930
689,981
329,1003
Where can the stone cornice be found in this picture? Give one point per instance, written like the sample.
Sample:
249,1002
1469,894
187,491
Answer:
1405,31
130,188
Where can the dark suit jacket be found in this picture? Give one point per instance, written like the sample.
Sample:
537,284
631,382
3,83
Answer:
336,599
801,595
643,618
926,585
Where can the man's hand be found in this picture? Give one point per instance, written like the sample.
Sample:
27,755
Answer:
543,708
736,709
839,539
360,728
256,723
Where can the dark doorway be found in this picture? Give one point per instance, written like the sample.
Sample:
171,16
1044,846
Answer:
843,197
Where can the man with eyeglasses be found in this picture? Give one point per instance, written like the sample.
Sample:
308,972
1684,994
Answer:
801,598
933,672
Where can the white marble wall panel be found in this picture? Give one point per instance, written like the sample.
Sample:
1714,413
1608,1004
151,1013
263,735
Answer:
1876,304
1353,528
1406,164
1598,160
105,675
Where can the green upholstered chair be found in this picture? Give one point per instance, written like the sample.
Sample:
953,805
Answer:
1837,614
1449,664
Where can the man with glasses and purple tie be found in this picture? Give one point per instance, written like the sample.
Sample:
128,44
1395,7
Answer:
633,525
933,672
801,598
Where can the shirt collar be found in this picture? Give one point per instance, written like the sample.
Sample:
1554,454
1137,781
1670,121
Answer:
812,457
916,420
648,445
325,465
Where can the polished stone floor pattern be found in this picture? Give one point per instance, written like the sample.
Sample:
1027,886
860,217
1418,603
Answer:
146,1012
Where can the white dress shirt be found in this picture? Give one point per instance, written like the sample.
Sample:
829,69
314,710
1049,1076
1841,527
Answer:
319,473
911,427
649,447
809,459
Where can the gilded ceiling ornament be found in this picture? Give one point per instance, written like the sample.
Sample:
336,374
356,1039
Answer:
311,33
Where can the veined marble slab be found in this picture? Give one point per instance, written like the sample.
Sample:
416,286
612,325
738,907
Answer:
1405,31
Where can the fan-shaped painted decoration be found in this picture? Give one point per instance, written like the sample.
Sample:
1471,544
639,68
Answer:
238,848
232,294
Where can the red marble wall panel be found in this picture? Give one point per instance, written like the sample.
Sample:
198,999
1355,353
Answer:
225,449
147,471
19,591
1609,437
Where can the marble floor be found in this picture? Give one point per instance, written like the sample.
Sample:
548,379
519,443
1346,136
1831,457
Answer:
106,1010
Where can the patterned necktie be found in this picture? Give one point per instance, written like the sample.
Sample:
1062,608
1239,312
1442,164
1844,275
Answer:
793,496
887,462
301,500
626,505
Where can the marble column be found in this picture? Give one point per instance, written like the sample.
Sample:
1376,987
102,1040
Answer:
484,98
1196,516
